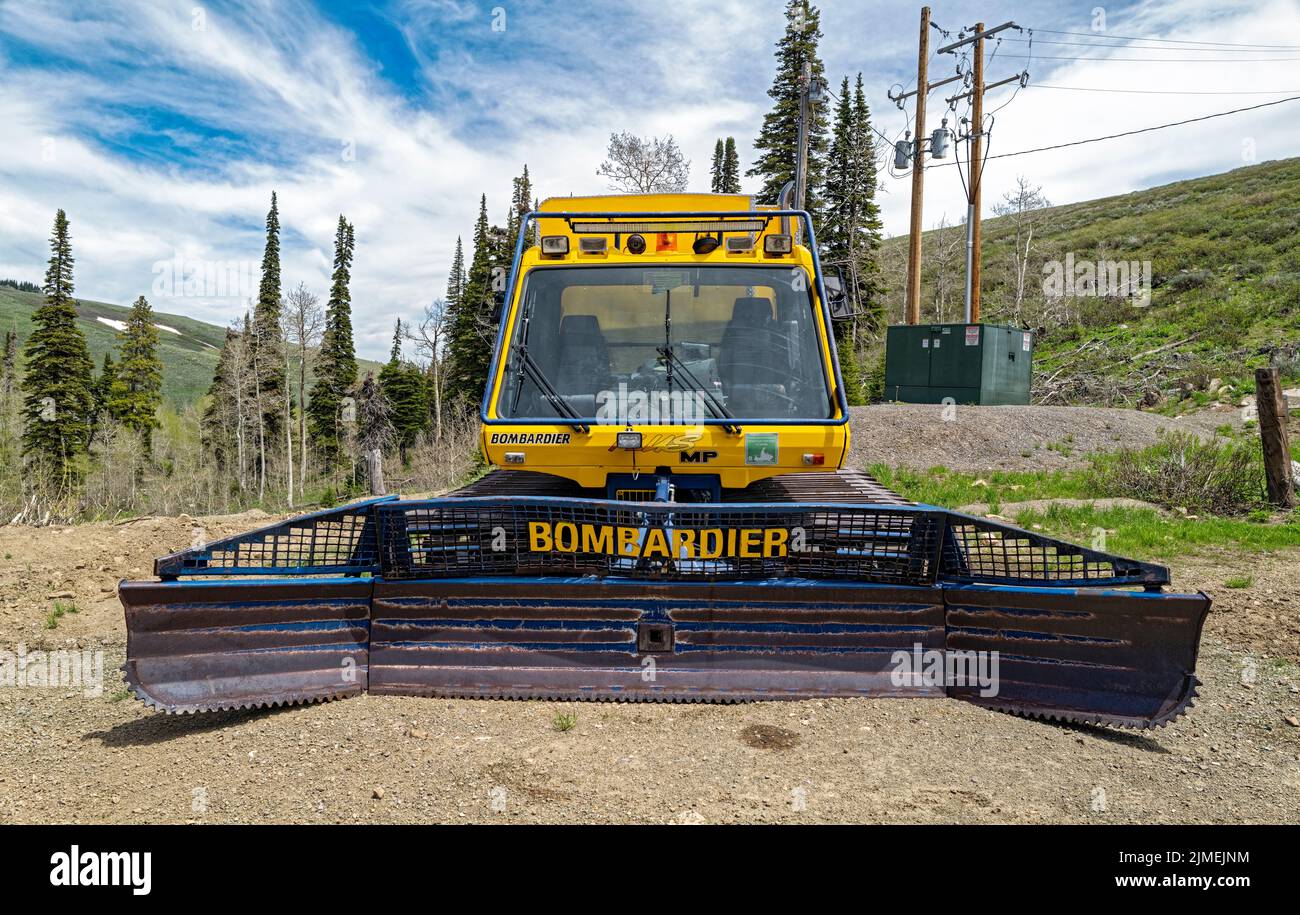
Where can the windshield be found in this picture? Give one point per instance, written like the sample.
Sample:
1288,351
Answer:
665,345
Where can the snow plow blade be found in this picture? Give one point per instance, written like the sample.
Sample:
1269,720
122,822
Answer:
547,597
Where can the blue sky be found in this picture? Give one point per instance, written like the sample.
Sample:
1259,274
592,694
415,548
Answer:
162,126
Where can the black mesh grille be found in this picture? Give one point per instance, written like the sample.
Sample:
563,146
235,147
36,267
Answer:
529,535
561,537
984,551
340,541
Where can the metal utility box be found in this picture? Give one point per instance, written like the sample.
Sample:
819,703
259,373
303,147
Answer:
971,363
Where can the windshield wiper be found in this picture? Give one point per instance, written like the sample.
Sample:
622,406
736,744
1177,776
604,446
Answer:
529,368
719,409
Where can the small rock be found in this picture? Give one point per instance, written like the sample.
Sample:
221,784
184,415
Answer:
418,734
378,794
60,595
1292,720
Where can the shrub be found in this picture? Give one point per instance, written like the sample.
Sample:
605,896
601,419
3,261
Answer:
1182,471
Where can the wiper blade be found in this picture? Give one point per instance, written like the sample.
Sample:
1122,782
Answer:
528,367
671,361
527,364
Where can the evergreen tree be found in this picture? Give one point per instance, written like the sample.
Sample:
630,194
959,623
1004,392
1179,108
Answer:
9,366
456,280
403,386
268,336
715,168
135,392
730,168
469,342
221,414
57,386
871,289
778,141
101,394
519,204
851,227
336,367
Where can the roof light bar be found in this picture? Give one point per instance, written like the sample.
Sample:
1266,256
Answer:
663,226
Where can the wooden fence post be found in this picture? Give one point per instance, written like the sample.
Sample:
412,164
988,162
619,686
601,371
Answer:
1273,432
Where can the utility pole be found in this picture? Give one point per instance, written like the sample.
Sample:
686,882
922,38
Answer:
976,176
918,176
975,140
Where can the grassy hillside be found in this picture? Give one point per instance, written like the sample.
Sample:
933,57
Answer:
1225,270
188,347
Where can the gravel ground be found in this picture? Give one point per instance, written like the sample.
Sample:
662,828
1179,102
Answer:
962,438
66,756
69,757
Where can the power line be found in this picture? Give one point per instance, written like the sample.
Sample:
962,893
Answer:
1138,47
1168,92
1218,44
1130,133
1167,60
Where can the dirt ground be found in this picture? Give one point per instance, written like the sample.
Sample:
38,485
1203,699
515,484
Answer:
69,757
1010,438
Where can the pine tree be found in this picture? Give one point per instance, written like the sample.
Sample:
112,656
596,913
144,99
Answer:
716,167
730,168
135,392
268,336
871,291
456,280
217,428
101,394
778,141
470,343
57,386
404,388
520,199
336,367
851,226
9,366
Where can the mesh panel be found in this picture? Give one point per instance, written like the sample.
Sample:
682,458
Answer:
520,535
341,541
979,550
562,537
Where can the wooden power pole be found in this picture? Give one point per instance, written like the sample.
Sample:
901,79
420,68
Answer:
918,176
1273,431
975,137
976,174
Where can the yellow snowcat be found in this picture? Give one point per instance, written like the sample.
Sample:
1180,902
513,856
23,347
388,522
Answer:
668,518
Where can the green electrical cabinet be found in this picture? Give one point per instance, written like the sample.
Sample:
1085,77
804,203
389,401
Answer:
970,363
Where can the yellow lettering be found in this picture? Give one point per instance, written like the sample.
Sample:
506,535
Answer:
540,534
566,537
597,539
749,539
656,544
628,541
683,543
710,543
774,541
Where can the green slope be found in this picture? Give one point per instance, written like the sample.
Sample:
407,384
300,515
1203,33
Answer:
188,350
1225,263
